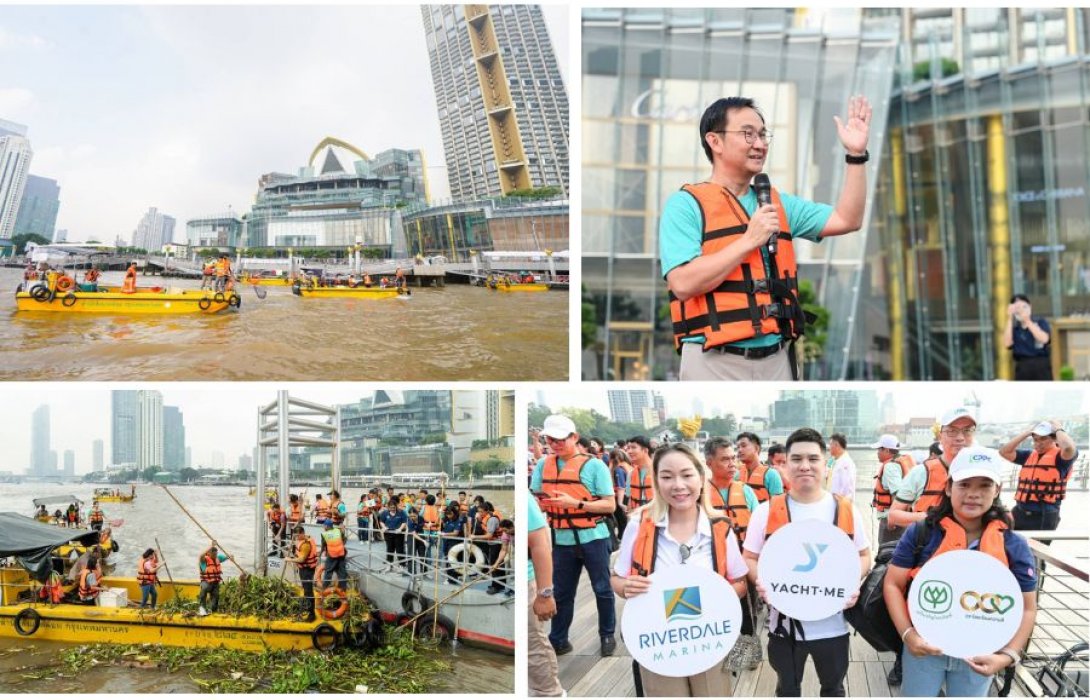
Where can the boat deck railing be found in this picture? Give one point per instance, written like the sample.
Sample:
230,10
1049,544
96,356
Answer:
1055,660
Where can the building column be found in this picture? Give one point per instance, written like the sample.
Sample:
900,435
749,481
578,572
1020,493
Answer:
999,238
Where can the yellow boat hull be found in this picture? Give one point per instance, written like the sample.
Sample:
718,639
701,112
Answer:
114,499
349,292
535,287
267,281
84,624
186,302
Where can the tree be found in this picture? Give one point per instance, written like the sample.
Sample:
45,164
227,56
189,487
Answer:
434,438
818,331
535,192
20,241
188,474
921,70
538,414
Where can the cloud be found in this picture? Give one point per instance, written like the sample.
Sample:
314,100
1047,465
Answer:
10,41
17,104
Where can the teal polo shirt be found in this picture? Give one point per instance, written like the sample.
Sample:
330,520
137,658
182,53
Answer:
535,520
595,476
681,229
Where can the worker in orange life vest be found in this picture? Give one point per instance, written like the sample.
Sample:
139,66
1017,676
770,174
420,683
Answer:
1042,481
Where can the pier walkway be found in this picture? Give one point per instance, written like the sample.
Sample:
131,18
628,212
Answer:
1062,620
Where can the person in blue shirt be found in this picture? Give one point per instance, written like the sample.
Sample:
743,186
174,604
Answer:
969,516
415,546
395,523
576,507
726,333
1029,338
1042,479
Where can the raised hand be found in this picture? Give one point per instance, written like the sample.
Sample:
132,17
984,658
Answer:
854,133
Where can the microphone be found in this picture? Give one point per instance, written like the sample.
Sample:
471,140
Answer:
763,186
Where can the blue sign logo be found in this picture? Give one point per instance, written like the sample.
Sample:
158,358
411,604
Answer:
682,603
812,551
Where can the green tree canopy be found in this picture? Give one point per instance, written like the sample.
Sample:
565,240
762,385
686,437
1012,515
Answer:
20,241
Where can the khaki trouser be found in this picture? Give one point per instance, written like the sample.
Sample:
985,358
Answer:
713,683
697,365
541,659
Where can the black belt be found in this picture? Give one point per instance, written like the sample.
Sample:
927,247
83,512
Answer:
750,353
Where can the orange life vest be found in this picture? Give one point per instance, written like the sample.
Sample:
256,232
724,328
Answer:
643,489
335,512
953,539
756,481
222,266
735,506
1039,480
567,481
431,518
296,516
645,548
53,590
752,301
96,516
213,572
129,285
883,499
91,275
321,509
85,592
779,515
311,560
334,543
938,473
142,573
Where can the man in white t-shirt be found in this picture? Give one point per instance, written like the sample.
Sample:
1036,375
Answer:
790,642
842,480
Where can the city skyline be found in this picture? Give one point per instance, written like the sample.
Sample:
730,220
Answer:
185,141
229,430
1002,403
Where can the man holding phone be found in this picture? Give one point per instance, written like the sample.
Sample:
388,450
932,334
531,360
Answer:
576,492
1028,337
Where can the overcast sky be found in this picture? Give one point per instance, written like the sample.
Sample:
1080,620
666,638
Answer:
998,402
220,418
183,108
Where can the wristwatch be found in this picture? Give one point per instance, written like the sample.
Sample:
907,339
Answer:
546,592
856,160
1015,657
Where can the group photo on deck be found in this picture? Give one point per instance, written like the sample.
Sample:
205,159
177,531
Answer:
926,542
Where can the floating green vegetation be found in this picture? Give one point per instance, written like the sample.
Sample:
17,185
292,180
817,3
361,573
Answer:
398,667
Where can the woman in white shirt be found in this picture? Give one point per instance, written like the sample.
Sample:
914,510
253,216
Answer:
687,532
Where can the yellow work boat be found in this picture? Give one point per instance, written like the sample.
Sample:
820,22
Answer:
112,301
268,281
349,292
521,287
21,615
114,495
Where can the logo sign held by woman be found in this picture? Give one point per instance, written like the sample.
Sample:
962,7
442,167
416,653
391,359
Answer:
809,568
965,603
685,624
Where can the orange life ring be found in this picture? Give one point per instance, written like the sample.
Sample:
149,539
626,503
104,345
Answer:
326,613
64,283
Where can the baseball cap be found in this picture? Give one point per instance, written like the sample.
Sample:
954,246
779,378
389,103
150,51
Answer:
977,461
1044,429
327,521
955,413
890,442
558,427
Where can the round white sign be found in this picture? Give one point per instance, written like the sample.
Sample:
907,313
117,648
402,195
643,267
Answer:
965,603
685,624
809,568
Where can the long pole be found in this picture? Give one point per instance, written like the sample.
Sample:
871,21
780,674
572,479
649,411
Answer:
198,524
167,567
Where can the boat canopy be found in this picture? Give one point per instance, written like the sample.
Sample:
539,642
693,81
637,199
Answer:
50,500
32,542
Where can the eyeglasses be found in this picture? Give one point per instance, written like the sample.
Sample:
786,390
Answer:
749,134
954,432
686,552
552,439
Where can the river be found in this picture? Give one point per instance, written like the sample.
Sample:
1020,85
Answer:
227,513
456,332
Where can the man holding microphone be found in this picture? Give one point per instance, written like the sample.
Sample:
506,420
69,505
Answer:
726,246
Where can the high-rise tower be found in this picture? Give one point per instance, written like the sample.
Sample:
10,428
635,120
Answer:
15,155
503,108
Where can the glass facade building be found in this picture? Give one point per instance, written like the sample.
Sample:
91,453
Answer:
38,210
500,224
977,182
220,231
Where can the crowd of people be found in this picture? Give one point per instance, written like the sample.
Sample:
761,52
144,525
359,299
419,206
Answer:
624,512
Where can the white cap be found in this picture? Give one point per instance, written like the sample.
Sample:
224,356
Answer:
890,442
955,413
1044,429
558,427
977,461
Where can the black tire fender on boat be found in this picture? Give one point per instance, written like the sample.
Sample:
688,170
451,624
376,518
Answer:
324,630
40,293
27,615
218,296
413,603
440,627
235,301
69,299
204,304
